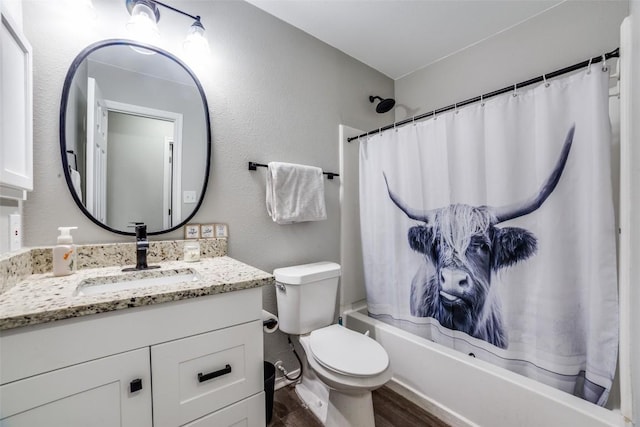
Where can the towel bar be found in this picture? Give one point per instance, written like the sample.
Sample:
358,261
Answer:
253,166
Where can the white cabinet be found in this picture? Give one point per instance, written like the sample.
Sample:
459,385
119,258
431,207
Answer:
97,393
199,363
16,106
249,412
201,374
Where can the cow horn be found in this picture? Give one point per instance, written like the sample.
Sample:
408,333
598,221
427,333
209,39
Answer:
411,213
506,213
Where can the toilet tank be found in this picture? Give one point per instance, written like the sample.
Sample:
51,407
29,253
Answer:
306,296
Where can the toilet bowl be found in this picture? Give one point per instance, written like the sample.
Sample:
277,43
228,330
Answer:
349,365
340,367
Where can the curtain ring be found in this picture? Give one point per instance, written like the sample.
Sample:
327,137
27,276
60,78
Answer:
589,66
394,127
604,63
482,100
544,78
515,89
434,115
455,108
414,120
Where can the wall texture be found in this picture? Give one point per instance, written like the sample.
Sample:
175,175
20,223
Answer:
567,34
274,92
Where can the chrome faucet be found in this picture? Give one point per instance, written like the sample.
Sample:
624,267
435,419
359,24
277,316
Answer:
142,247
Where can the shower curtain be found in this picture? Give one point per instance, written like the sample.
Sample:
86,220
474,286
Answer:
490,229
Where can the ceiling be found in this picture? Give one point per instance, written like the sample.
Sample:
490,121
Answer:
398,37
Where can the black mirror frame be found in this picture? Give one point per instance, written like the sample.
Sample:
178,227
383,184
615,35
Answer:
63,116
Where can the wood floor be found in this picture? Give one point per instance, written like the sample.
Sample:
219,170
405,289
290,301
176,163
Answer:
391,410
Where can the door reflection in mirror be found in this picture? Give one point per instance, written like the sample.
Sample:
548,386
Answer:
140,157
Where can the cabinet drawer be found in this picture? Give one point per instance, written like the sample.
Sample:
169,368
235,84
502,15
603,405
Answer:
196,376
249,412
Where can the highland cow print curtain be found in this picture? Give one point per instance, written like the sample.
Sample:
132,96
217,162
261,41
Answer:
490,230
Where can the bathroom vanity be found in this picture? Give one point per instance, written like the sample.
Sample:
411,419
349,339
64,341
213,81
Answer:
175,354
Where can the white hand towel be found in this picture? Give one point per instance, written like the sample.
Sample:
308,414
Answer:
295,193
76,180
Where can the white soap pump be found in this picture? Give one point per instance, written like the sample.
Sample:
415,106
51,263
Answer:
64,253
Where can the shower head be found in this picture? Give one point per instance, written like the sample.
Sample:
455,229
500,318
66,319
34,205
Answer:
384,105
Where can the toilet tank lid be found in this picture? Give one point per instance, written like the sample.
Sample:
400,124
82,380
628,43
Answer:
307,273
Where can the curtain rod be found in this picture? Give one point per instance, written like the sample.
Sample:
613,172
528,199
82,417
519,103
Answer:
613,54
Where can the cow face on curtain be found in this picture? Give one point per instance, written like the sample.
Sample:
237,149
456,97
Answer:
463,246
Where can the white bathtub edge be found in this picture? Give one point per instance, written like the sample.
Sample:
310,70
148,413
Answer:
547,399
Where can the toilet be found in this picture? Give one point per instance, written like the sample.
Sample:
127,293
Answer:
340,367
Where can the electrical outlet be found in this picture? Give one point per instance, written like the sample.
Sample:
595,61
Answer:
15,232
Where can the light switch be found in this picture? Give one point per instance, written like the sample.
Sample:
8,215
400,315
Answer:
15,232
189,197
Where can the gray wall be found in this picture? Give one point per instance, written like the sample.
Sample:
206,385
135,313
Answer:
274,93
559,37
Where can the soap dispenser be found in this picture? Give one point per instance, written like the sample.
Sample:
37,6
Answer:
64,253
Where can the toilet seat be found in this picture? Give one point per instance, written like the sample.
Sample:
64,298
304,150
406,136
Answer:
347,352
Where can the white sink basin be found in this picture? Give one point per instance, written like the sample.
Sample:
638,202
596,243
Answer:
135,280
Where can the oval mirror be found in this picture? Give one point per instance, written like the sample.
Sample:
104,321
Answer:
135,137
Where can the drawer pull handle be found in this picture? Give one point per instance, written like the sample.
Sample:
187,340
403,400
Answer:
135,385
206,377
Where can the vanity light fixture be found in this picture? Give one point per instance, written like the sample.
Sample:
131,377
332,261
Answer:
143,24
196,41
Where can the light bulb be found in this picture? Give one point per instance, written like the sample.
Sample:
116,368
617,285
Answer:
196,42
143,24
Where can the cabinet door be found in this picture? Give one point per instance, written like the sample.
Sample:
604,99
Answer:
16,145
198,375
247,413
96,394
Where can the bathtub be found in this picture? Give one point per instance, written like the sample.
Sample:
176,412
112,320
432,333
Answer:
464,391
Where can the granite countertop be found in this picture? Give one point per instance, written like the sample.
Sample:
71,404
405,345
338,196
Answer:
42,298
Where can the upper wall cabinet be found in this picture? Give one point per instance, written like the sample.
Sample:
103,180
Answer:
16,106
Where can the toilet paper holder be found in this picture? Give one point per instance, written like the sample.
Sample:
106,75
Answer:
270,323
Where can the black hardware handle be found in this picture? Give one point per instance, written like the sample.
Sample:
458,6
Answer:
206,377
135,385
